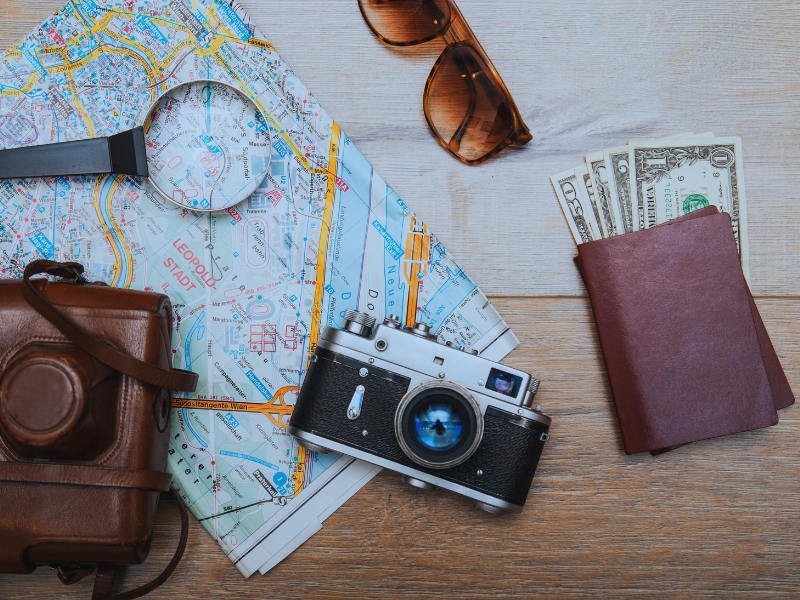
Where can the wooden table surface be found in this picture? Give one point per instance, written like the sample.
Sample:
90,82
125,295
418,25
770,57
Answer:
716,519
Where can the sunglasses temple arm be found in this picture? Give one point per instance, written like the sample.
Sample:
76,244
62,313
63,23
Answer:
455,141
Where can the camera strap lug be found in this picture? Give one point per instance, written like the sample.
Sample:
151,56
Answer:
69,575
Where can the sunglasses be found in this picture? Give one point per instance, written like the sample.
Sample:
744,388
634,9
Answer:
467,105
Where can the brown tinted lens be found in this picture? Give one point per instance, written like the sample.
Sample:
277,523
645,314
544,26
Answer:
406,21
466,106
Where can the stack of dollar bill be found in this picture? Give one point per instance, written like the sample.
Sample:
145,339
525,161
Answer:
643,184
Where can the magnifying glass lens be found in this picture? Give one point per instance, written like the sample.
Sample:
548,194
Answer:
208,147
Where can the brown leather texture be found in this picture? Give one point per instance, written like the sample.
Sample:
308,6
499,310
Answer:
687,354
111,356
67,499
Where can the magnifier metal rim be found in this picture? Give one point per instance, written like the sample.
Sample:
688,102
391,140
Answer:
413,393
148,121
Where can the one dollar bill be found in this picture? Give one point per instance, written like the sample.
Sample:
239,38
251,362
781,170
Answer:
616,214
668,180
576,204
618,176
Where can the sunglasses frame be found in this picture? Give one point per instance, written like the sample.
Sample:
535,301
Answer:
457,33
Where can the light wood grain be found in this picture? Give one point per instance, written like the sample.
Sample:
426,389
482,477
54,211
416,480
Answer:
716,519
586,74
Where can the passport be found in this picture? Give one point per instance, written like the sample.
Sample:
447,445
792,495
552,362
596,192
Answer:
687,354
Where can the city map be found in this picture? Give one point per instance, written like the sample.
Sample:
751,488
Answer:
251,286
208,147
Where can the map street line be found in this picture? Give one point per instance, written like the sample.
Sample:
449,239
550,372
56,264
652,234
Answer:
86,117
415,263
267,114
275,412
299,474
111,231
323,239
96,67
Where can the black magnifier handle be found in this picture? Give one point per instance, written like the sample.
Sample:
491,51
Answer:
122,154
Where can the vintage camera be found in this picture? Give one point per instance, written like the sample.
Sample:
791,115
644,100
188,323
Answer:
395,397
83,444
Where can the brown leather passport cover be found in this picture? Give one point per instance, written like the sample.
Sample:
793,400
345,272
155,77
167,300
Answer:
687,354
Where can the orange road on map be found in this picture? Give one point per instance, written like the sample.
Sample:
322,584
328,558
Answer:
87,119
276,409
415,264
268,115
121,250
316,314
300,469
143,49
126,252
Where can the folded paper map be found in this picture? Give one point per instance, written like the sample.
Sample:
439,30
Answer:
252,286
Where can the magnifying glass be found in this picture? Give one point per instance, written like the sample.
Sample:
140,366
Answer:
204,146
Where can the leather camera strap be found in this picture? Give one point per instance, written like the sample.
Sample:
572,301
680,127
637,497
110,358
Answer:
171,379
104,581
106,477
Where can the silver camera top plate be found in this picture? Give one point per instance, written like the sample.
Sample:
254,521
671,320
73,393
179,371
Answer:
421,358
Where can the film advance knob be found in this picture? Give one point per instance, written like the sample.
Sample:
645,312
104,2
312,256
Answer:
358,323
494,510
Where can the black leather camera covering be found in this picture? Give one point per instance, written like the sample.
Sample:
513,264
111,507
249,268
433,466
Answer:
507,456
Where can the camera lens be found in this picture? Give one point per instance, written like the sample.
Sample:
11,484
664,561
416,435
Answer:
438,424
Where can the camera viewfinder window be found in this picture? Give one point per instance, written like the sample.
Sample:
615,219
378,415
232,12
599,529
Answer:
505,383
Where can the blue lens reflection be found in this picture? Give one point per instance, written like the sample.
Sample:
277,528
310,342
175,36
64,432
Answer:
438,426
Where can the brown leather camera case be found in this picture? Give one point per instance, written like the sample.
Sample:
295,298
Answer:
83,447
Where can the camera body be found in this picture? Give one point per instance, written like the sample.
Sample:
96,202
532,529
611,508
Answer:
438,415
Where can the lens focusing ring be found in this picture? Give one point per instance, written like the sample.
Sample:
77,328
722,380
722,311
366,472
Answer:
401,416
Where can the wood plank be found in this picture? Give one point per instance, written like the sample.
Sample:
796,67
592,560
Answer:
586,74
715,519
